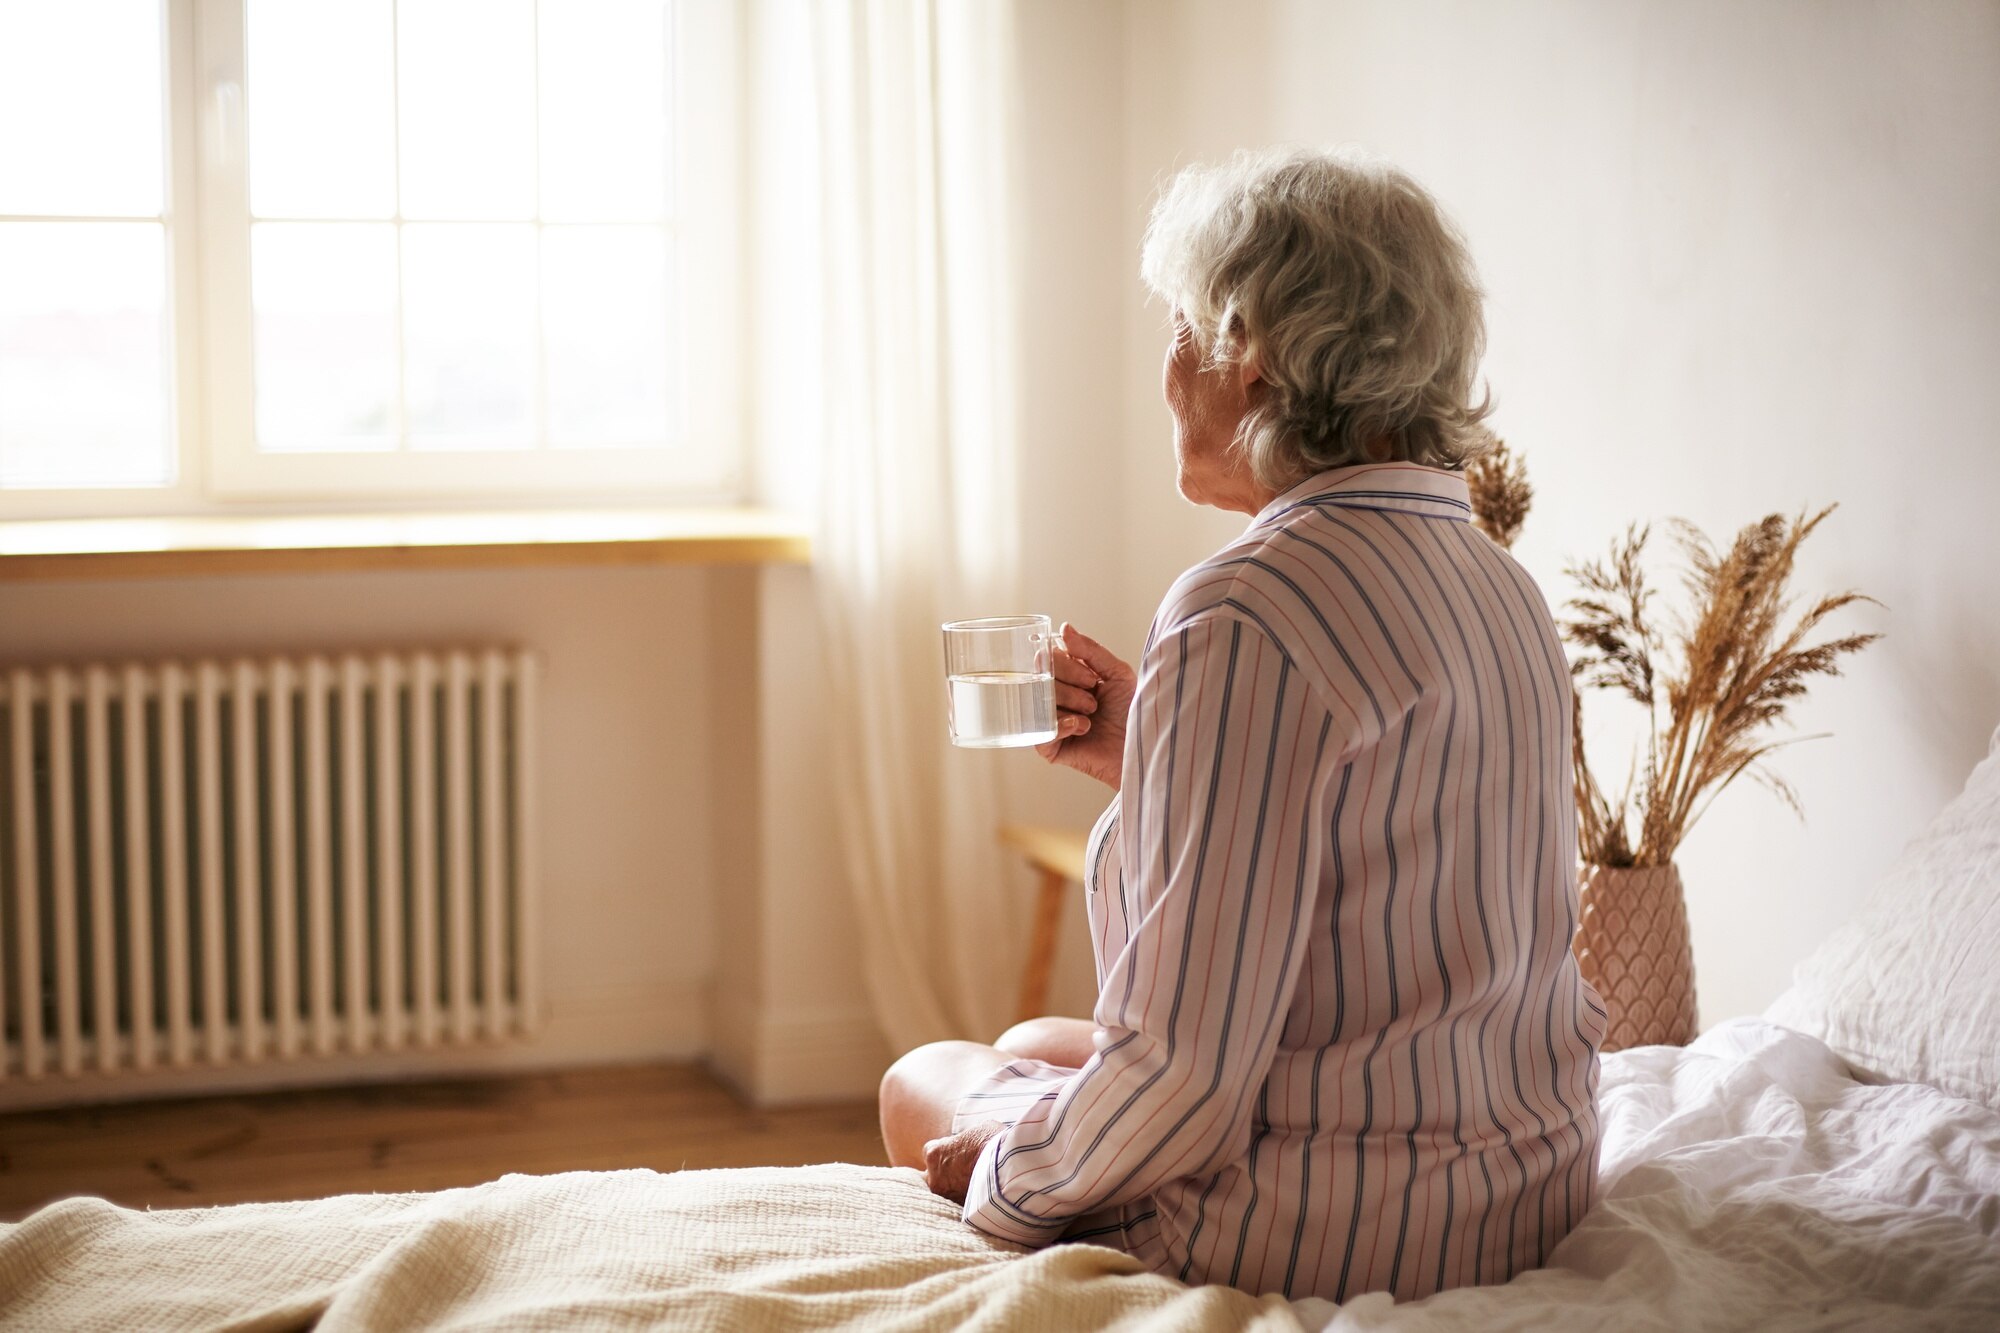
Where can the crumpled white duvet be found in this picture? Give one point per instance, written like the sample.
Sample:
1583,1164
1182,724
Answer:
1749,1182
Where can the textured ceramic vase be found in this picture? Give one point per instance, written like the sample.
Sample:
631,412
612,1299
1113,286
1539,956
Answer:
1632,946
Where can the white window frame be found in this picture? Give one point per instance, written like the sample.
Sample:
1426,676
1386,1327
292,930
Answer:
207,219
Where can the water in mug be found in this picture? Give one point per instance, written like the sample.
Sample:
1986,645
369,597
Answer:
995,708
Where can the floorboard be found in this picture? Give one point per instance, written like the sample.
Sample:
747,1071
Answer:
410,1136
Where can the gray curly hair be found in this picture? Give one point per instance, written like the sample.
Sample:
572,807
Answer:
1356,298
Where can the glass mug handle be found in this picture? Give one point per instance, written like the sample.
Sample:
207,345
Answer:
1045,653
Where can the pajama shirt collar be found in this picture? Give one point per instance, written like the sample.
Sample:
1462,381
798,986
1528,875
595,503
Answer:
1409,488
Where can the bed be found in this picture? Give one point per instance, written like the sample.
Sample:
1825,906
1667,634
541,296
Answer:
1832,1164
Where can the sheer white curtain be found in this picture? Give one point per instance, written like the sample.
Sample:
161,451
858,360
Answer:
908,416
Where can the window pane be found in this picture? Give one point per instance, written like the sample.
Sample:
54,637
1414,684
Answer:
80,107
466,75
83,355
322,109
605,113
605,314
469,335
325,298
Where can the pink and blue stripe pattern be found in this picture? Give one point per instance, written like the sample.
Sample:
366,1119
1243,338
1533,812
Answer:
1343,1046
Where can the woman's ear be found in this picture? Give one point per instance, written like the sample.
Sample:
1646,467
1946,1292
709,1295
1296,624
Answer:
1250,376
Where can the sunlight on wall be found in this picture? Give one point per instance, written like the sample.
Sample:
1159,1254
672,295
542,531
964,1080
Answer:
1726,277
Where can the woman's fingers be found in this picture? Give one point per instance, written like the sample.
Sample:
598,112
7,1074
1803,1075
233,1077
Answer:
1072,670
1090,679
948,1162
1073,700
1068,727
1091,653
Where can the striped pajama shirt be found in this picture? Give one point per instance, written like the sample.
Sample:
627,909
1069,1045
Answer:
1341,1043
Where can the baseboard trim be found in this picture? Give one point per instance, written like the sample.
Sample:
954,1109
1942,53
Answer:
770,1060
797,1059
606,1026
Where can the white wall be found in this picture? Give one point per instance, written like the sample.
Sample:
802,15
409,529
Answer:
627,735
1077,268
1741,258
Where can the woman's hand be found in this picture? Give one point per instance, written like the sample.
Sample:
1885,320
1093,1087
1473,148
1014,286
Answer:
1093,695
948,1161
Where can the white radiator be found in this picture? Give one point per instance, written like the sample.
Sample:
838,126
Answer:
231,862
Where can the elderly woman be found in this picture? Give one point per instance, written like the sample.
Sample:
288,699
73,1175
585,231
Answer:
1340,1044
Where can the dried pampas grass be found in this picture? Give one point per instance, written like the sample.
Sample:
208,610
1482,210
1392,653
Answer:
1713,686
1501,495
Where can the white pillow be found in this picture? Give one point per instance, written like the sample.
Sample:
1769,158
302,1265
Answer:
1909,990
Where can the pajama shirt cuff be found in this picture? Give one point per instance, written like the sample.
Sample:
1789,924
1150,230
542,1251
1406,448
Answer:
988,1214
1005,1096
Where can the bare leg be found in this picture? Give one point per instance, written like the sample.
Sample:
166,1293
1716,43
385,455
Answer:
1067,1042
921,1091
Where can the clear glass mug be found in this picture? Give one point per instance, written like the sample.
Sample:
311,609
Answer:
997,678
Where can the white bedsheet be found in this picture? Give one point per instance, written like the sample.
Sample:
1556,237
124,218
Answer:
1750,1183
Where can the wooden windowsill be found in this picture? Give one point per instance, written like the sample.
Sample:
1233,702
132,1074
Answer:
138,548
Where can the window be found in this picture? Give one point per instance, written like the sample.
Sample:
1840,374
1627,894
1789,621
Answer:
406,250
85,352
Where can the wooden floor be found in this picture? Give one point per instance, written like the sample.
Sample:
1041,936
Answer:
409,1136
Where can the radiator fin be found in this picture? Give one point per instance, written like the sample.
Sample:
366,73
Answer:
259,859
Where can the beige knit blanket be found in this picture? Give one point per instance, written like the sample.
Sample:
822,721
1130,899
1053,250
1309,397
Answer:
808,1247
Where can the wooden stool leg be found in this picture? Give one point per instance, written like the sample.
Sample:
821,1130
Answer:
1042,948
